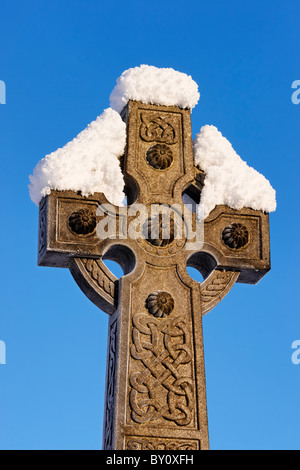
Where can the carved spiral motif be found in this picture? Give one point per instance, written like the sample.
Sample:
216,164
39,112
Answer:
160,156
82,222
160,304
235,236
159,230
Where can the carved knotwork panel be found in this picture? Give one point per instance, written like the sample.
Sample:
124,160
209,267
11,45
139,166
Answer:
42,240
148,443
110,387
161,365
160,128
163,388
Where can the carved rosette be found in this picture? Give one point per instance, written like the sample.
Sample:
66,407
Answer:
82,222
160,230
160,157
235,236
160,304
163,233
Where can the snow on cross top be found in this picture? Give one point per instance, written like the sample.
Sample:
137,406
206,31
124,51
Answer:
89,163
154,85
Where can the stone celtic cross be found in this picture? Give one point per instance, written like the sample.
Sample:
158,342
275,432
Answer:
155,386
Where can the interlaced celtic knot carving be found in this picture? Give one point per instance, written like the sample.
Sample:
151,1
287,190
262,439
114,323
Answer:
42,226
110,392
158,129
161,444
163,387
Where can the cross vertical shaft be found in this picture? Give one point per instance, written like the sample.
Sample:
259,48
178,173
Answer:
155,379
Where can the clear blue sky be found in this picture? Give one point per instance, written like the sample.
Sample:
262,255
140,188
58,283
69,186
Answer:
60,60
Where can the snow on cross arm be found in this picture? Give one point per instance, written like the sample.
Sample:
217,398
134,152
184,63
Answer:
229,180
89,163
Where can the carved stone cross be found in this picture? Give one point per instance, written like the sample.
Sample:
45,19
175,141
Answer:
155,386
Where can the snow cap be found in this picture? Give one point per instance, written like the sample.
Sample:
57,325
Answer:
89,163
229,180
153,85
